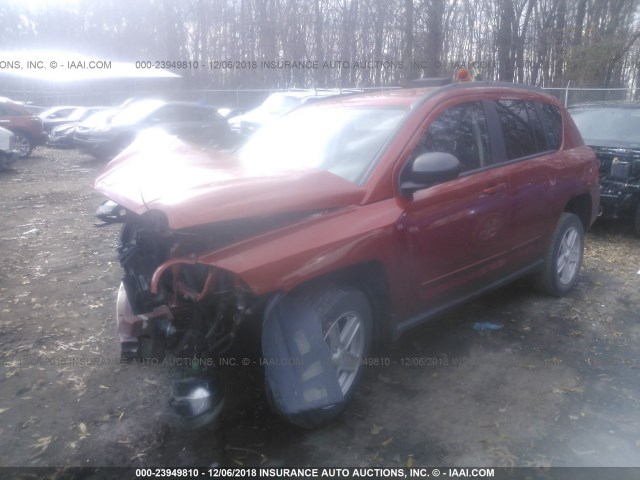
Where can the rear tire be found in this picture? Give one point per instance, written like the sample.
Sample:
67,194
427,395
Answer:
24,144
347,325
563,257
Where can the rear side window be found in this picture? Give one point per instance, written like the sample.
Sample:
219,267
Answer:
529,128
517,128
9,110
188,114
552,124
185,113
536,127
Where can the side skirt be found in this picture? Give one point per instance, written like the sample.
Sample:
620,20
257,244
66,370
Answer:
431,314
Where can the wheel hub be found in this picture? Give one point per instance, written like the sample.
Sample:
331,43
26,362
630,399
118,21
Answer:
569,256
345,339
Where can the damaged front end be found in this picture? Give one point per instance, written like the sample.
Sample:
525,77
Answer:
619,183
170,304
210,246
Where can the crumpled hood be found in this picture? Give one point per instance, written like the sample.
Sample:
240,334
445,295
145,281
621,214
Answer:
194,186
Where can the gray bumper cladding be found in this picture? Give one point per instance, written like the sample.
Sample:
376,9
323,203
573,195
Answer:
299,371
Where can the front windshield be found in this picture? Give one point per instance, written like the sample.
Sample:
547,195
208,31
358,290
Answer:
134,112
342,140
608,126
279,104
99,118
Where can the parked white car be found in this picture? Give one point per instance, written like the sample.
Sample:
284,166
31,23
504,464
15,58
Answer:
8,154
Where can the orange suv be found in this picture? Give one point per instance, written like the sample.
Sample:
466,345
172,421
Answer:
346,221
26,127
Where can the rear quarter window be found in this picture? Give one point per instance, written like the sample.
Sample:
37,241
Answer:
13,111
552,124
519,137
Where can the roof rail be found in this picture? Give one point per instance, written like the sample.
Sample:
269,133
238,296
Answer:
426,82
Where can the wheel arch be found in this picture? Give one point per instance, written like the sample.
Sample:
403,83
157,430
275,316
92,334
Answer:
310,393
581,206
21,131
371,278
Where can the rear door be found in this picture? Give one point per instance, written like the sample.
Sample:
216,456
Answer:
527,161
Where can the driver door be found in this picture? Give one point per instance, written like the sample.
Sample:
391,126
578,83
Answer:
458,230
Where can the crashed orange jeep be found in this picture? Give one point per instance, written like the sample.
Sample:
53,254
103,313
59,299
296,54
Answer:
344,222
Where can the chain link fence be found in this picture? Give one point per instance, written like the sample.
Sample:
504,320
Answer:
236,99
249,98
573,95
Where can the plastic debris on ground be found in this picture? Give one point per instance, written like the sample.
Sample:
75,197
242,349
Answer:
480,326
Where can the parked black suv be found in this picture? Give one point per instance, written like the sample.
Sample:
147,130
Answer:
190,121
612,130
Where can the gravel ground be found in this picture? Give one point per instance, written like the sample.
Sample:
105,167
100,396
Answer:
556,385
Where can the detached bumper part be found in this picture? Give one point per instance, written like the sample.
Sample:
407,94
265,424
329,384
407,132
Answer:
8,158
152,327
195,401
110,212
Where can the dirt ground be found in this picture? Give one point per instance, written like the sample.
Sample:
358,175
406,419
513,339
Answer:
557,385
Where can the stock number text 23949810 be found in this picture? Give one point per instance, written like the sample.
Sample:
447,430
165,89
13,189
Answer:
195,64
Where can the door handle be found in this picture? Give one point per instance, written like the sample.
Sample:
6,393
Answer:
493,189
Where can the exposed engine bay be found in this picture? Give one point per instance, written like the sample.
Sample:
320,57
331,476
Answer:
170,305
619,182
204,305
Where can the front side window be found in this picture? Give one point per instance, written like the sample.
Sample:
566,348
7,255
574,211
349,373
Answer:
460,130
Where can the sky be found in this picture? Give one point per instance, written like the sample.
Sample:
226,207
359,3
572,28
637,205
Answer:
43,4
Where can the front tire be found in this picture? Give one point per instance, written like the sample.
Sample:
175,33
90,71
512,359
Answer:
563,258
347,325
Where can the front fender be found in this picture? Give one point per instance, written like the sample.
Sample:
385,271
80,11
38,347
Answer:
286,258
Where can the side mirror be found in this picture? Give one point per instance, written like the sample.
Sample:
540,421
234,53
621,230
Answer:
428,169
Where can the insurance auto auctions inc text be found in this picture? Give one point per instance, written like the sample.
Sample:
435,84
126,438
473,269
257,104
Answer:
374,472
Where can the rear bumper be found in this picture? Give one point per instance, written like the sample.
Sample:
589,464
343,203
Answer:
93,147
